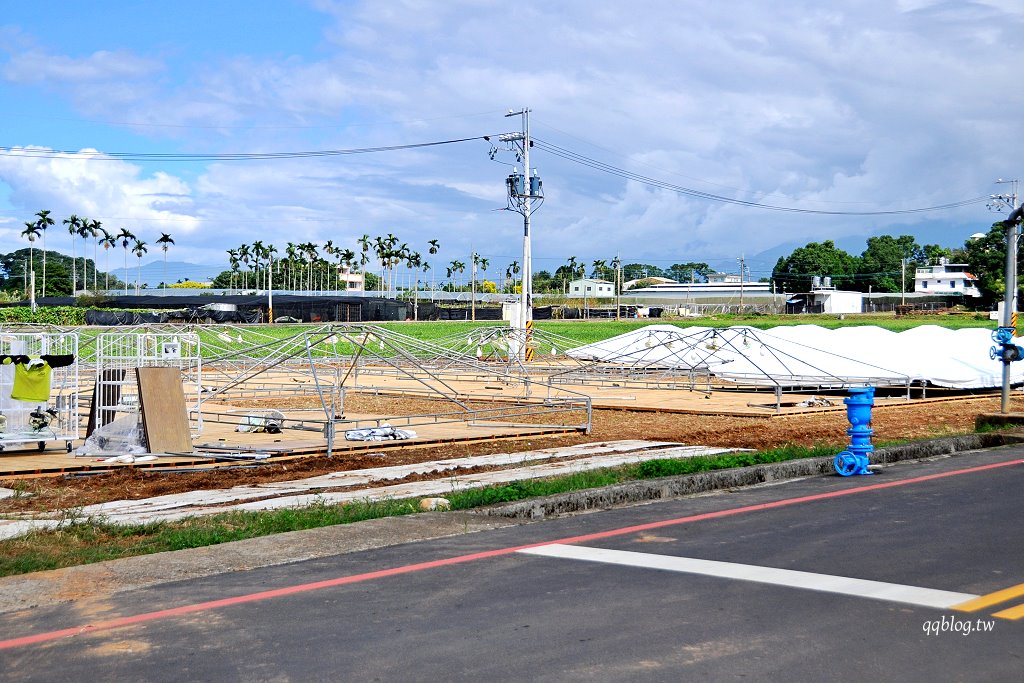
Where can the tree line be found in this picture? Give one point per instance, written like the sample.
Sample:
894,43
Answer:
888,264
388,264
55,273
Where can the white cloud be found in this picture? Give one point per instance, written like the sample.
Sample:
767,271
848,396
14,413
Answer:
38,66
114,192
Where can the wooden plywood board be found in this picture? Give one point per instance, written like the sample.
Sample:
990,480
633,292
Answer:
164,416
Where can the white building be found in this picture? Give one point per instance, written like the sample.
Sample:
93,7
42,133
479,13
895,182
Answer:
836,301
653,280
354,282
718,289
946,278
590,287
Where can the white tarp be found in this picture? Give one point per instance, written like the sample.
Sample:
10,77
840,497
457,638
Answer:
811,355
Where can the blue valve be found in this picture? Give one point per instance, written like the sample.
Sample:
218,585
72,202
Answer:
1007,351
855,460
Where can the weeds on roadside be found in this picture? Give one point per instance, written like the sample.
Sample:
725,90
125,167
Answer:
79,540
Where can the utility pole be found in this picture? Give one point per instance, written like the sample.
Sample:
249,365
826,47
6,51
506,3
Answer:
270,290
523,190
472,286
617,264
742,260
996,202
903,281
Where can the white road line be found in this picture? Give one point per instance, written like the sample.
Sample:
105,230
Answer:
861,588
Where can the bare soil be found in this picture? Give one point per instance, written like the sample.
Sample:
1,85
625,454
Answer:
913,421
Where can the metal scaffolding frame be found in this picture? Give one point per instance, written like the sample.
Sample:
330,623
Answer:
118,354
323,362
39,422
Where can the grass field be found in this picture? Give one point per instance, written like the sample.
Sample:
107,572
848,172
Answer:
217,340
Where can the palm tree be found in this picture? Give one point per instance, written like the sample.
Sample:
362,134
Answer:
243,256
107,241
346,261
165,241
393,258
426,267
380,248
257,255
31,231
139,249
309,249
330,250
434,246
84,231
455,267
44,221
96,228
510,274
478,262
125,236
233,264
571,263
364,244
397,257
289,256
413,261
74,222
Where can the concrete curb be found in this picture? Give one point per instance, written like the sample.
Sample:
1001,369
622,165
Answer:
689,484
95,583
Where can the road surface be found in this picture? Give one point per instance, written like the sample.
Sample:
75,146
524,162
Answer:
914,574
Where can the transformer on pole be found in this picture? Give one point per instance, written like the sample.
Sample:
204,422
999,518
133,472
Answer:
524,190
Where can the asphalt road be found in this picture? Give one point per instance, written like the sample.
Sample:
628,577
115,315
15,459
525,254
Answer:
669,591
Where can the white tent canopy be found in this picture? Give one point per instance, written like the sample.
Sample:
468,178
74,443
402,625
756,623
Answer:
813,355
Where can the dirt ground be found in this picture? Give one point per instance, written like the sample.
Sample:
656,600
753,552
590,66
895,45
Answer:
914,421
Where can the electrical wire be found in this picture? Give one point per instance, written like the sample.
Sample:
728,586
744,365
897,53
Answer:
574,157
244,156
554,150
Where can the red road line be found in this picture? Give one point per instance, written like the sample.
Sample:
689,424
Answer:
472,557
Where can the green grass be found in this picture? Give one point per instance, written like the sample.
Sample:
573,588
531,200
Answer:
85,541
589,331
88,541
579,331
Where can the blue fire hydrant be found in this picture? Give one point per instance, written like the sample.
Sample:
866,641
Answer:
854,460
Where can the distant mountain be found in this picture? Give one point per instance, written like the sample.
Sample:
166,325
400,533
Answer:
762,264
152,273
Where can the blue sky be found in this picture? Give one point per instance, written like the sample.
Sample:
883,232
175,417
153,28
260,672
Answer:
853,106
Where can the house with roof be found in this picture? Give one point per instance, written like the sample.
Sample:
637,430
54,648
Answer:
591,288
946,278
